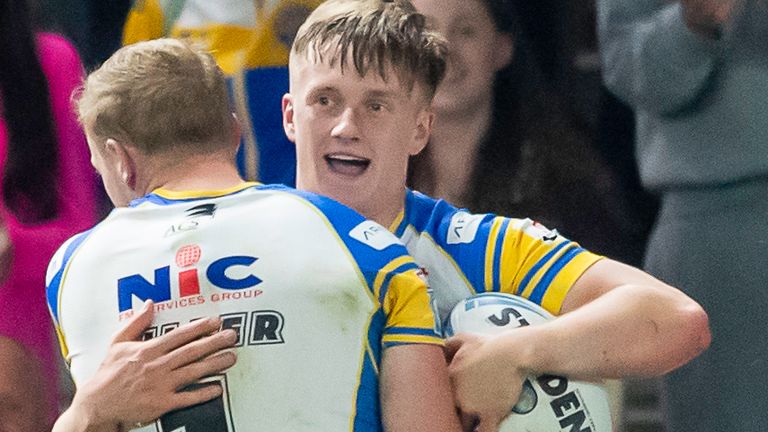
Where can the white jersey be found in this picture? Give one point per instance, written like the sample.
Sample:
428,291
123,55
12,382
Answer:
314,291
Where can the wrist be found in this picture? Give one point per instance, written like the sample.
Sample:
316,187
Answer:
519,349
85,418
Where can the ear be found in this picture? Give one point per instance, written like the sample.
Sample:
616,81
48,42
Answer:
424,122
505,50
237,132
124,161
288,126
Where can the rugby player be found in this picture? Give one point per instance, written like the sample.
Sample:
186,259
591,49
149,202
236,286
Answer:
325,310
358,107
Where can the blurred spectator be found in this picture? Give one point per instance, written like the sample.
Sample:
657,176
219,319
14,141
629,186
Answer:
503,143
696,73
94,26
251,41
48,194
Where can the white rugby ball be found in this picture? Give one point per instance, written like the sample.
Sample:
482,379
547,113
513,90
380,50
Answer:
548,403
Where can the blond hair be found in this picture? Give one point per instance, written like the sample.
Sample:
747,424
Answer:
158,95
373,35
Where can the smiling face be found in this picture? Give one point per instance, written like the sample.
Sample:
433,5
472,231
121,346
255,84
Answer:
476,52
354,134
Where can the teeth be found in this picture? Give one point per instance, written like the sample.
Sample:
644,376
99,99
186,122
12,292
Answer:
347,158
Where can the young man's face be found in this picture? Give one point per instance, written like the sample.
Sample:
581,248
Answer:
354,135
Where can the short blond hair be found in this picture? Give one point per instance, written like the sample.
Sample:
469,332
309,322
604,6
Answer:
157,96
373,35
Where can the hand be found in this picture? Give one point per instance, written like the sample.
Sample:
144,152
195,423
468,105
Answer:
140,381
484,385
707,17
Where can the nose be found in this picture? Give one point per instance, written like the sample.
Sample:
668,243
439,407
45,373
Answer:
347,125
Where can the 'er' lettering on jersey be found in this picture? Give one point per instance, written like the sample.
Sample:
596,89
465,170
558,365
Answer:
313,291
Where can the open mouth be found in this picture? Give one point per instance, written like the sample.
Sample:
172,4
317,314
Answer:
348,165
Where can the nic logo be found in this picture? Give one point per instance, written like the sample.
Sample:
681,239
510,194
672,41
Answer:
188,278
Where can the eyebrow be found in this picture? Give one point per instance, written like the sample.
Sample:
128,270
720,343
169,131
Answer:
382,94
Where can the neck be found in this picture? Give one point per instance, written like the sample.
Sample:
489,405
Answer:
457,134
197,172
385,217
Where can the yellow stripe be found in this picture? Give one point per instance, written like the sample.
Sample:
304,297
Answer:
250,145
562,283
535,280
62,342
490,248
382,274
415,339
398,220
175,195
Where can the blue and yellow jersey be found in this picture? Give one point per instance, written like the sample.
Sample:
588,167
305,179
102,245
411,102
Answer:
466,254
314,291
251,41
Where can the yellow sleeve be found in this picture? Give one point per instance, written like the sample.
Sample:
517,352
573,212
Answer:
541,265
145,22
407,305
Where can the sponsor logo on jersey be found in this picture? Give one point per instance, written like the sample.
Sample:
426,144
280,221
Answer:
537,230
463,227
193,218
373,234
218,273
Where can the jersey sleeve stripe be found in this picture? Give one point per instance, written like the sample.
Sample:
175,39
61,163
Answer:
497,254
393,340
52,291
536,267
490,249
564,280
396,266
541,288
410,331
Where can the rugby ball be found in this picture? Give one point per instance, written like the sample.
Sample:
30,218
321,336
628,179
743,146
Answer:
548,403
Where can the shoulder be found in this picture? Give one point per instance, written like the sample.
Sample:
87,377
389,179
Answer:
354,229
442,221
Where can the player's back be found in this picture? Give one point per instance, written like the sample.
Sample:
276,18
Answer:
299,277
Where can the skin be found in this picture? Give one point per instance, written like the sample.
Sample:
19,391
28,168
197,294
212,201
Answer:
621,321
356,133
22,407
414,397
477,52
464,101
149,374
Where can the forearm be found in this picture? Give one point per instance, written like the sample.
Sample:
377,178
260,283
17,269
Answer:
631,330
415,390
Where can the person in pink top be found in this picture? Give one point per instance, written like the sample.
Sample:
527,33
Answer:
47,194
